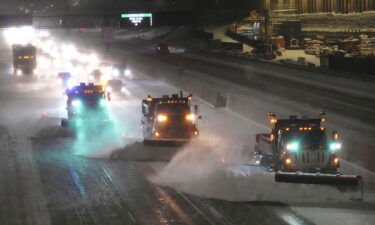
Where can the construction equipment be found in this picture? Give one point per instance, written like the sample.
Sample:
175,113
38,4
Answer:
169,119
298,150
24,59
87,107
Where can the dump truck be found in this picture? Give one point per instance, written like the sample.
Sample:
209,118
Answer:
300,151
169,119
24,59
87,106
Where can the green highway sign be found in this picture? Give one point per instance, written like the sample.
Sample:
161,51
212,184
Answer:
138,15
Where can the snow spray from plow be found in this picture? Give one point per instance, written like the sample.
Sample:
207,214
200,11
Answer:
194,170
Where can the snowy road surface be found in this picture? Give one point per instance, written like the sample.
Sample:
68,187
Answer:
45,179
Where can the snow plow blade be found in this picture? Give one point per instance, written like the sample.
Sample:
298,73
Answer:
324,179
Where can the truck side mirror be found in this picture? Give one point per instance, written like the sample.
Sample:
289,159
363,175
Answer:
196,109
335,135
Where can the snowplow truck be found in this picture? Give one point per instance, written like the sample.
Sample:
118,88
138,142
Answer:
169,119
299,151
86,106
24,59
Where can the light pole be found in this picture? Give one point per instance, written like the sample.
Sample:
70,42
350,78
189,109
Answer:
266,20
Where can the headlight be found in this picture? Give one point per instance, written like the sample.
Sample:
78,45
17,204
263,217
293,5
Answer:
334,146
76,103
115,73
19,72
292,146
109,89
162,118
128,72
190,117
288,161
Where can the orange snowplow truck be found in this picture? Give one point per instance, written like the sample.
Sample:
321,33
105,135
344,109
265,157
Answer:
169,119
299,151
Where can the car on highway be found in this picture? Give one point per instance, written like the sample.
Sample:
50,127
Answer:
115,86
121,71
163,48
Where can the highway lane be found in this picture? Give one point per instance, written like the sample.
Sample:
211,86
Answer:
44,182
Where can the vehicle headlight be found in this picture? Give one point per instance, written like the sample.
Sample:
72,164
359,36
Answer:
292,146
128,72
334,146
288,161
115,73
19,72
76,103
190,117
162,118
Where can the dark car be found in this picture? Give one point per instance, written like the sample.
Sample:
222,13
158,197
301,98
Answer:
163,48
115,86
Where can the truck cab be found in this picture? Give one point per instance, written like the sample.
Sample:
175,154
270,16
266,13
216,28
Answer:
24,59
86,104
169,119
299,144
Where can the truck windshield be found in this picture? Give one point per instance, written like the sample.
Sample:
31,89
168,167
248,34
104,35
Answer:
88,97
27,51
310,139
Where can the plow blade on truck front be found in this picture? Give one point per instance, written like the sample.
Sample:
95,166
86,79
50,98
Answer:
312,178
351,183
